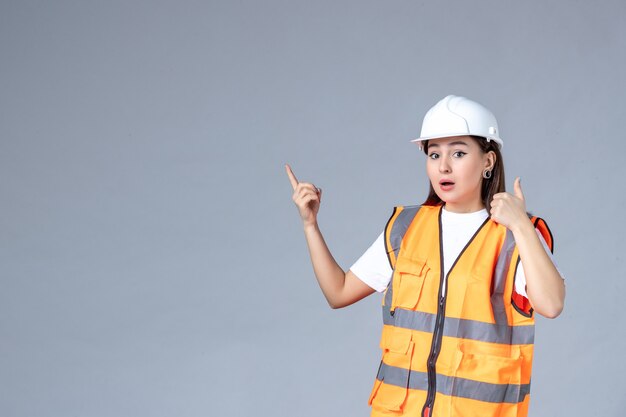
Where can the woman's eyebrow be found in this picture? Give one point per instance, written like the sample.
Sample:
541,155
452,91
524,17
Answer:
458,142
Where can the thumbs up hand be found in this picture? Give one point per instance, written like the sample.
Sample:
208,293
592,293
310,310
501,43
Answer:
306,196
509,209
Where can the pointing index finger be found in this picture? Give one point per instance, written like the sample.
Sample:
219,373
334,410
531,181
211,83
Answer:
292,178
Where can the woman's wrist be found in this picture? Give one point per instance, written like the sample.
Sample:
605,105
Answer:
310,226
522,225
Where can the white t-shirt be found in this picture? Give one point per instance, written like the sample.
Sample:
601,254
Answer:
457,229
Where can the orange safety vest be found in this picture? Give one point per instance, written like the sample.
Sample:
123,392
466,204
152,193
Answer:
465,354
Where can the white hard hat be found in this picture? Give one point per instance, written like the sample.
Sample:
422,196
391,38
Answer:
458,116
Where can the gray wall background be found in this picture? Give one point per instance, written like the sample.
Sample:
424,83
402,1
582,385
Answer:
152,261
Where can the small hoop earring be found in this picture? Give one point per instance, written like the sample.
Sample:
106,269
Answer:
487,174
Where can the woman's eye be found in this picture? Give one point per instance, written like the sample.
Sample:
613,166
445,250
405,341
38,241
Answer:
458,154
433,156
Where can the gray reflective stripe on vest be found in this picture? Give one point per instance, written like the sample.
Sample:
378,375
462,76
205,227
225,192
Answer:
398,230
499,277
461,328
454,386
400,226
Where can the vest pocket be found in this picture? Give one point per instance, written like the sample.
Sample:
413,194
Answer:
391,387
485,376
410,274
377,383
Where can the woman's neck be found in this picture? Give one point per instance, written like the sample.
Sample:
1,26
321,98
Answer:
464,208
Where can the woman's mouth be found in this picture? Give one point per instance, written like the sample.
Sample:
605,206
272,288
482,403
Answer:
446,185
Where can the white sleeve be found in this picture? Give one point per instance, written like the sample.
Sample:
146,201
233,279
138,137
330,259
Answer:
520,277
373,266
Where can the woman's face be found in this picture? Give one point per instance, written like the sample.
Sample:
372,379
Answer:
455,168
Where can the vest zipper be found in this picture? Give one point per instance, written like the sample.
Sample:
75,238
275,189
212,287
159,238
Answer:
438,331
434,354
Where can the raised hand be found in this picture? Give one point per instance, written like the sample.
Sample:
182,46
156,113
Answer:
509,209
306,196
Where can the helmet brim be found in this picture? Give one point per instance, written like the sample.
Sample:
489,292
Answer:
451,135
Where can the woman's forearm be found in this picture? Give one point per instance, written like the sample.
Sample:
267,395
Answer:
330,276
544,285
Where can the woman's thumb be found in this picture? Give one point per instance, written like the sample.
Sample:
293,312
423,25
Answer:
517,188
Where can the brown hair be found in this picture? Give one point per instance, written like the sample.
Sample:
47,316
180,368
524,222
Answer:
489,187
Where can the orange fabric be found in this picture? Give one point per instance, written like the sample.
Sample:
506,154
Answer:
467,368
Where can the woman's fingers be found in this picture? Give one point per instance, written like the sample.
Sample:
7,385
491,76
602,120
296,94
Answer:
500,196
304,193
306,196
509,209
292,177
303,187
310,197
294,181
517,187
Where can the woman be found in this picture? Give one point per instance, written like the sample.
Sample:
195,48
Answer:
462,275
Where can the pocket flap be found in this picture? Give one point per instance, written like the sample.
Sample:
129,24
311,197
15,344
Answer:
408,281
475,348
413,266
395,339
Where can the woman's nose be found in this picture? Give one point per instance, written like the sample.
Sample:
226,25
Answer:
444,165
